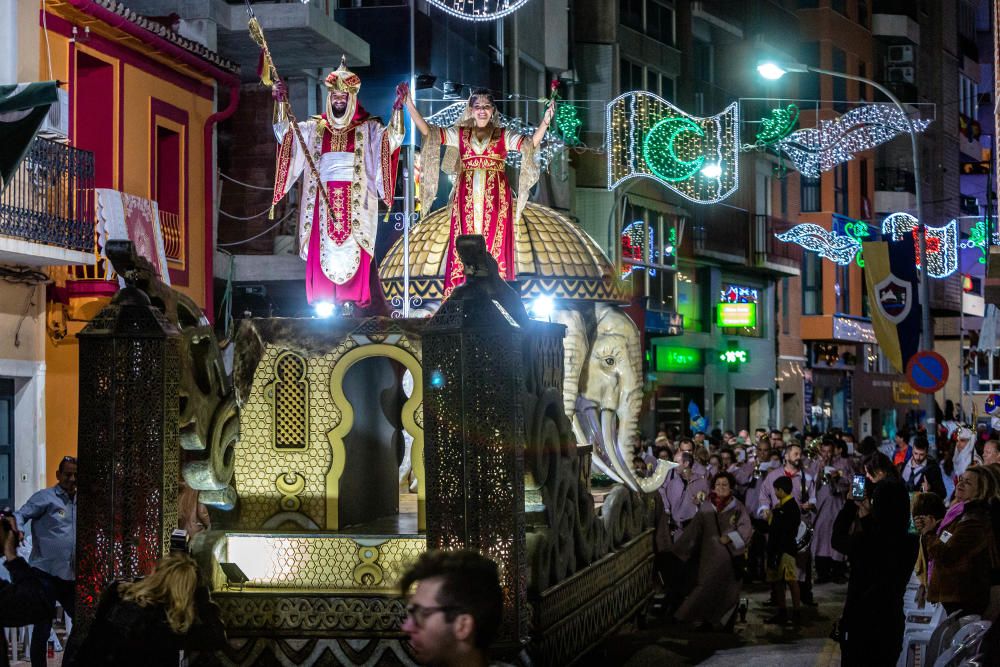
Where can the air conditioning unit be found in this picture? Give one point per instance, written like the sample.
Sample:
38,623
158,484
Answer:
56,123
901,53
901,75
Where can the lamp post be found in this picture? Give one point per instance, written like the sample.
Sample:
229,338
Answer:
773,71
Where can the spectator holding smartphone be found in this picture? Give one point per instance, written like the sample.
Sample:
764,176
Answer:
874,534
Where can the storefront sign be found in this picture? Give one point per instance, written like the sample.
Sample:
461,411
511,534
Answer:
904,394
734,357
736,315
670,359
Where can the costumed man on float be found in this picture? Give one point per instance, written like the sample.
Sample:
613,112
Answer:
350,165
476,150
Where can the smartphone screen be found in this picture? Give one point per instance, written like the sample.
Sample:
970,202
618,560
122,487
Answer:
858,487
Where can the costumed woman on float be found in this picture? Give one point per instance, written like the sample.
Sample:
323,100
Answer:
480,202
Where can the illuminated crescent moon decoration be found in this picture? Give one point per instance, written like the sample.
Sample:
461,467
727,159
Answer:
660,154
648,137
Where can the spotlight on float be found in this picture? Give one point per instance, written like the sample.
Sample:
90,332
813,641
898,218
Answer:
324,309
542,307
712,170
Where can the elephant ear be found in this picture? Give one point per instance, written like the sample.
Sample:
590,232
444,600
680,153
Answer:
612,321
576,349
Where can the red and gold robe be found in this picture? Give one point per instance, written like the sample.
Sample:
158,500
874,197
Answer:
481,202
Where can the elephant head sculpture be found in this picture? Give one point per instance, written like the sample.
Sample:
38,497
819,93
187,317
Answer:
602,390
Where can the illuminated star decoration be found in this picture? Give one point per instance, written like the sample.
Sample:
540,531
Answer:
547,151
832,246
816,150
942,242
648,137
778,125
977,240
633,240
478,10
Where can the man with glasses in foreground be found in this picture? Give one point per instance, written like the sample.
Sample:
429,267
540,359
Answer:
454,611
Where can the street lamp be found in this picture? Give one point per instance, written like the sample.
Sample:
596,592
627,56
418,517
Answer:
773,71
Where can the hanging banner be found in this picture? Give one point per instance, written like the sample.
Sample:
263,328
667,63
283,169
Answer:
892,292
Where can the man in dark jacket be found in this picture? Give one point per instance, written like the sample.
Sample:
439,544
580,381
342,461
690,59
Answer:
922,473
874,533
22,601
783,525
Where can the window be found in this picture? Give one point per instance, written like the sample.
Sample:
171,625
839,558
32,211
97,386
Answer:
812,284
843,288
839,6
660,22
631,13
863,13
809,89
631,76
783,195
967,96
810,194
808,4
95,101
786,320
839,59
648,251
841,199
864,202
874,361
985,366
660,84
689,300
654,18
704,61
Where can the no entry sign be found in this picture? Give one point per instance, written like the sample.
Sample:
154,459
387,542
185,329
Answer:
927,372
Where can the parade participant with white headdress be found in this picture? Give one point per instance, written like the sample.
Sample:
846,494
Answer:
350,165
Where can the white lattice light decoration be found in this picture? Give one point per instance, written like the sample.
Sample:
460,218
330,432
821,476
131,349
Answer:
479,10
550,148
942,242
818,149
830,245
648,137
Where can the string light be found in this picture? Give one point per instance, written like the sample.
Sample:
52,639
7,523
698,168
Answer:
835,247
550,148
478,10
778,125
942,242
857,230
648,137
977,240
567,122
815,150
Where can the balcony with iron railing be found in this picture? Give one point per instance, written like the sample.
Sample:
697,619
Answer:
47,209
771,253
721,233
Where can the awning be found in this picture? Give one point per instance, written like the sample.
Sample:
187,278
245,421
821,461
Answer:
23,107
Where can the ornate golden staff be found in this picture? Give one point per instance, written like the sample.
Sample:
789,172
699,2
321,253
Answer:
268,77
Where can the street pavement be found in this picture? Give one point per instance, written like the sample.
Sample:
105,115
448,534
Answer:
751,644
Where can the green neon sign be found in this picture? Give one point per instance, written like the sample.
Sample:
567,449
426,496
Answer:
678,359
735,357
736,315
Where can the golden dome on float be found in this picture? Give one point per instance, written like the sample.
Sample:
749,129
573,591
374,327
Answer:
554,257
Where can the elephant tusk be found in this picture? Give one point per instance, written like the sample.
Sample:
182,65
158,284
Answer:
613,451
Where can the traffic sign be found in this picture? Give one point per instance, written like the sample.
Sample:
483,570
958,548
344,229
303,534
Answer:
927,372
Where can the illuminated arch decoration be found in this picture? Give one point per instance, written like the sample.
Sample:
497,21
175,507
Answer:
818,149
830,245
479,10
942,242
648,137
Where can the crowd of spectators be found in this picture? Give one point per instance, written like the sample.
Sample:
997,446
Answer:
795,509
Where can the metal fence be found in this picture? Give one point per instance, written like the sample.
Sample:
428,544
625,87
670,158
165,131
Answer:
50,200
